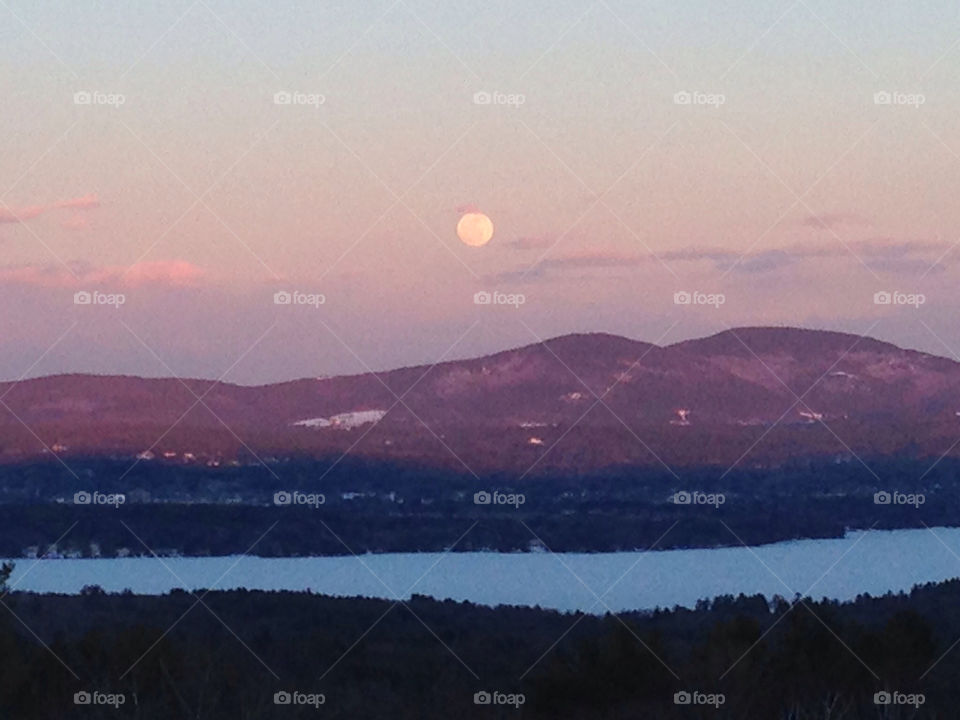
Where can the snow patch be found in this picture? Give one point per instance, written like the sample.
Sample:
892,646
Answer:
344,421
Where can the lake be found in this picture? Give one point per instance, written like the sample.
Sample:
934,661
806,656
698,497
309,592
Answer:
871,561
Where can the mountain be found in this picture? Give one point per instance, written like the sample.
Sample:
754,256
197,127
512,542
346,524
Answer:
755,395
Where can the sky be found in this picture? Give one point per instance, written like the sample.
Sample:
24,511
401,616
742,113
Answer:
180,163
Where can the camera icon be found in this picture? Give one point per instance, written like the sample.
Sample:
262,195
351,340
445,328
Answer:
81,498
282,298
481,498
82,698
82,297
682,297
882,297
881,498
882,97
482,298
682,98
282,498
82,97
282,98
682,698
282,698
682,498
482,98
482,698
882,698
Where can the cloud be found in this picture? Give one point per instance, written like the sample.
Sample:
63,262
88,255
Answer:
10,215
765,261
468,208
833,220
883,254
576,261
531,243
13,215
171,273
84,202
164,272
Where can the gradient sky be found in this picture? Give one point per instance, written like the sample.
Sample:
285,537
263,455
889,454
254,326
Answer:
797,198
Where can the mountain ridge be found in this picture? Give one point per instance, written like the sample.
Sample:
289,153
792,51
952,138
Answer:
584,400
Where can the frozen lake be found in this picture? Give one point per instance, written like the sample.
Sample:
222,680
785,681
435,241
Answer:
872,562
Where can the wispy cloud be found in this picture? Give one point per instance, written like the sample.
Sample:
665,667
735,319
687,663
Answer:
84,202
160,273
531,243
18,215
833,220
882,254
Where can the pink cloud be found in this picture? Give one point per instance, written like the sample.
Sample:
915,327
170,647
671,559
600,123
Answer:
10,215
171,273
13,215
84,202
163,272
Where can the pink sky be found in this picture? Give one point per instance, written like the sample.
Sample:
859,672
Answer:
798,195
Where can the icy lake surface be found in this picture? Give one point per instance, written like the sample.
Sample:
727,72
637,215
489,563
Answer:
872,562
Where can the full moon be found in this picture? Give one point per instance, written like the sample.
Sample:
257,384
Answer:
475,229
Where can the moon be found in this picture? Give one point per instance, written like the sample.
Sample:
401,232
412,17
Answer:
475,229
